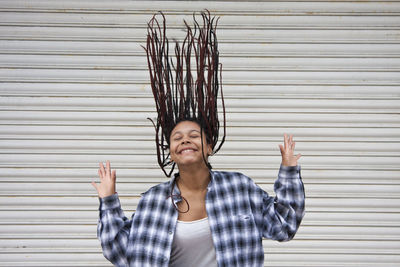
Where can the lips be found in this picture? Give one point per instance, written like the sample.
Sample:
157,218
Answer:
187,150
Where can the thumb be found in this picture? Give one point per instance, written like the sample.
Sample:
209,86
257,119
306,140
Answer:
114,175
281,149
95,186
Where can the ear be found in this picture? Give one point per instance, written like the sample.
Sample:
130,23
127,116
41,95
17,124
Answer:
209,150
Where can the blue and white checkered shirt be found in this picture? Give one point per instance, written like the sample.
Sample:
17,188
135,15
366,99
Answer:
240,214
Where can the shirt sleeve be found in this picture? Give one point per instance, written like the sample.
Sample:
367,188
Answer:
113,230
282,214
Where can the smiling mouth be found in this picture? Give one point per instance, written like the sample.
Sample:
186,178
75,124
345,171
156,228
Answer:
187,150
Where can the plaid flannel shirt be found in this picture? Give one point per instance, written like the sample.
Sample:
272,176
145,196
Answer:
240,213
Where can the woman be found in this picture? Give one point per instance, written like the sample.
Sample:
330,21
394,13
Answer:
200,217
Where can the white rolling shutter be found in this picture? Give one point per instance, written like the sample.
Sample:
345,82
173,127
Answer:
74,91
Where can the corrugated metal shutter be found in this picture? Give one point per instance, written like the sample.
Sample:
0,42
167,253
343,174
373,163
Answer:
74,92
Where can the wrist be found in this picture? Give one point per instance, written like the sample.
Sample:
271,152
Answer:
107,194
288,164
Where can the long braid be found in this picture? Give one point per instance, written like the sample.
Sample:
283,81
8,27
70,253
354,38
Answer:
179,97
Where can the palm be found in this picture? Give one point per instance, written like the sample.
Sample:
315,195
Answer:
287,151
107,181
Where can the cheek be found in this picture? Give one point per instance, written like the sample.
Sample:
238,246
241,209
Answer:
172,148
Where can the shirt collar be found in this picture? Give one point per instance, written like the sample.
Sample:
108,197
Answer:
175,191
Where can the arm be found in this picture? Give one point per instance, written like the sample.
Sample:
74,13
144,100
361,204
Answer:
113,227
281,215
113,230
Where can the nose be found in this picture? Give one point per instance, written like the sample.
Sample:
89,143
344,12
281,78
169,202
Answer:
185,141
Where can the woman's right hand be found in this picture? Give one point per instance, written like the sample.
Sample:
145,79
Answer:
107,181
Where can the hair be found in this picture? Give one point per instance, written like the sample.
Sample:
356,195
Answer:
178,93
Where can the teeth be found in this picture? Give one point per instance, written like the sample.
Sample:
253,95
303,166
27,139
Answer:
185,150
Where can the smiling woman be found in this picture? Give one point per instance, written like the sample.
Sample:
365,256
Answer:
200,217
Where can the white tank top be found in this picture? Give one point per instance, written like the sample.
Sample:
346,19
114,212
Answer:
193,245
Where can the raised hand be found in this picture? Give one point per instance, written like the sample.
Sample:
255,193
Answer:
107,181
287,151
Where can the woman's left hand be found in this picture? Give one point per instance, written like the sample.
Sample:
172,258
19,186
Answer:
287,151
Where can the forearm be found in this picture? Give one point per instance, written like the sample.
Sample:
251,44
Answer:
289,203
113,230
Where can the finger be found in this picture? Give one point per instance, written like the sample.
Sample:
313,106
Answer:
298,156
102,169
285,141
100,174
108,168
114,175
289,142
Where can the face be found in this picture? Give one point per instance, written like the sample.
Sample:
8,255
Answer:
185,144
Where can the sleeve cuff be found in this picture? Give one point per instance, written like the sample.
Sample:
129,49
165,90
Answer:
289,172
110,202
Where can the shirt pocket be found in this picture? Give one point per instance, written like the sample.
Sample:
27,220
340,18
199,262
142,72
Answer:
243,223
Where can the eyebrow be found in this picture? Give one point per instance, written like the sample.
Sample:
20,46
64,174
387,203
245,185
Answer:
179,132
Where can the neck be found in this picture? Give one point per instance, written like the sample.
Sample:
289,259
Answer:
193,179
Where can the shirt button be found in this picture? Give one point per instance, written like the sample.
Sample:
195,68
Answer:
170,232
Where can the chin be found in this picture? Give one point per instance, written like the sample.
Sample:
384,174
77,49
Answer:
190,161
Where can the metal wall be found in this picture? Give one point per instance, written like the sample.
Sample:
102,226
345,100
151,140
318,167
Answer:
74,91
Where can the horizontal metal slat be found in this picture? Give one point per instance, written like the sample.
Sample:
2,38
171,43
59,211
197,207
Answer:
116,48
271,247
147,133
187,7
135,189
281,260
224,36
130,89
249,78
127,174
323,220
124,62
234,119
267,20
234,148
232,104
231,162
87,231
86,203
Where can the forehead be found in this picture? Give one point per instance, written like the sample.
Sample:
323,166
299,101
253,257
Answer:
186,126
